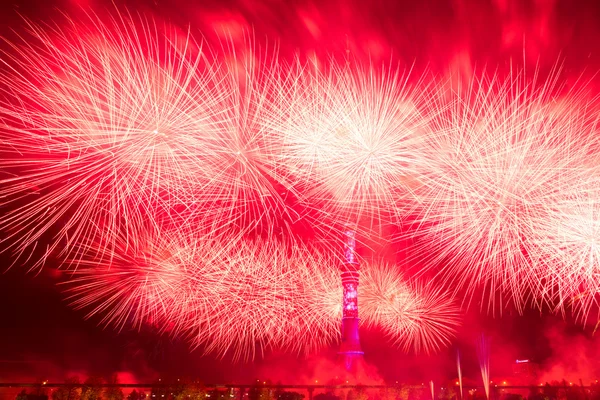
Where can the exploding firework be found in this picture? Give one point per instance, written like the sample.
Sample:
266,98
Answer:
246,190
569,263
245,297
500,156
352,140
273,298
412,315
224,296
125,122
145,279
109,129
127,125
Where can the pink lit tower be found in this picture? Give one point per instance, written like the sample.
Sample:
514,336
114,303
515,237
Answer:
350,348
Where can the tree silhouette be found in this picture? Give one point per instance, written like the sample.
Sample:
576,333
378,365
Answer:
92,389
327,396
192,391
22,395
71,390
113,392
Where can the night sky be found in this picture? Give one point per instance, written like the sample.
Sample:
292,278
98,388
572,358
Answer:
42,337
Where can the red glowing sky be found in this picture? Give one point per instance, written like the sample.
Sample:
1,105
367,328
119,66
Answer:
441,34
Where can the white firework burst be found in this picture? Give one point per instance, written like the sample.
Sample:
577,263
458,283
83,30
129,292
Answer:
502,153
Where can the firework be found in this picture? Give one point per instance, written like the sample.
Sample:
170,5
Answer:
126,122
272,299
502,153
244,297
569,263
412,315
145,279
483,353
126,125
246,191
432,390
352,137
111,128
459,370
226,297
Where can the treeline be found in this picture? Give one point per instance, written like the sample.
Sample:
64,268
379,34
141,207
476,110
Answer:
96,389
73,389
559,391
550,391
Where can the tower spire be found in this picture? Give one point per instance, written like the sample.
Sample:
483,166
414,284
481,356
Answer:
350,348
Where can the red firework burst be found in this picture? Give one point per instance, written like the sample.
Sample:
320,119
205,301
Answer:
245,297
568,263
352,137
103,126
224,296
413,315
499,159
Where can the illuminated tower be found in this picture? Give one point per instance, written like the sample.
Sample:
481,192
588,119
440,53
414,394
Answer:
350,347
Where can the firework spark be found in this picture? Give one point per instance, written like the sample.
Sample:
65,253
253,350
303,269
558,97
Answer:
224,296
124,124
109,129
245,297
127,125
483,353
569,264
245,189
352,137
412,315
502,153
460,378
144,279
128,122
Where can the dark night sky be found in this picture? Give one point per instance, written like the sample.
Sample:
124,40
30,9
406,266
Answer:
42,337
